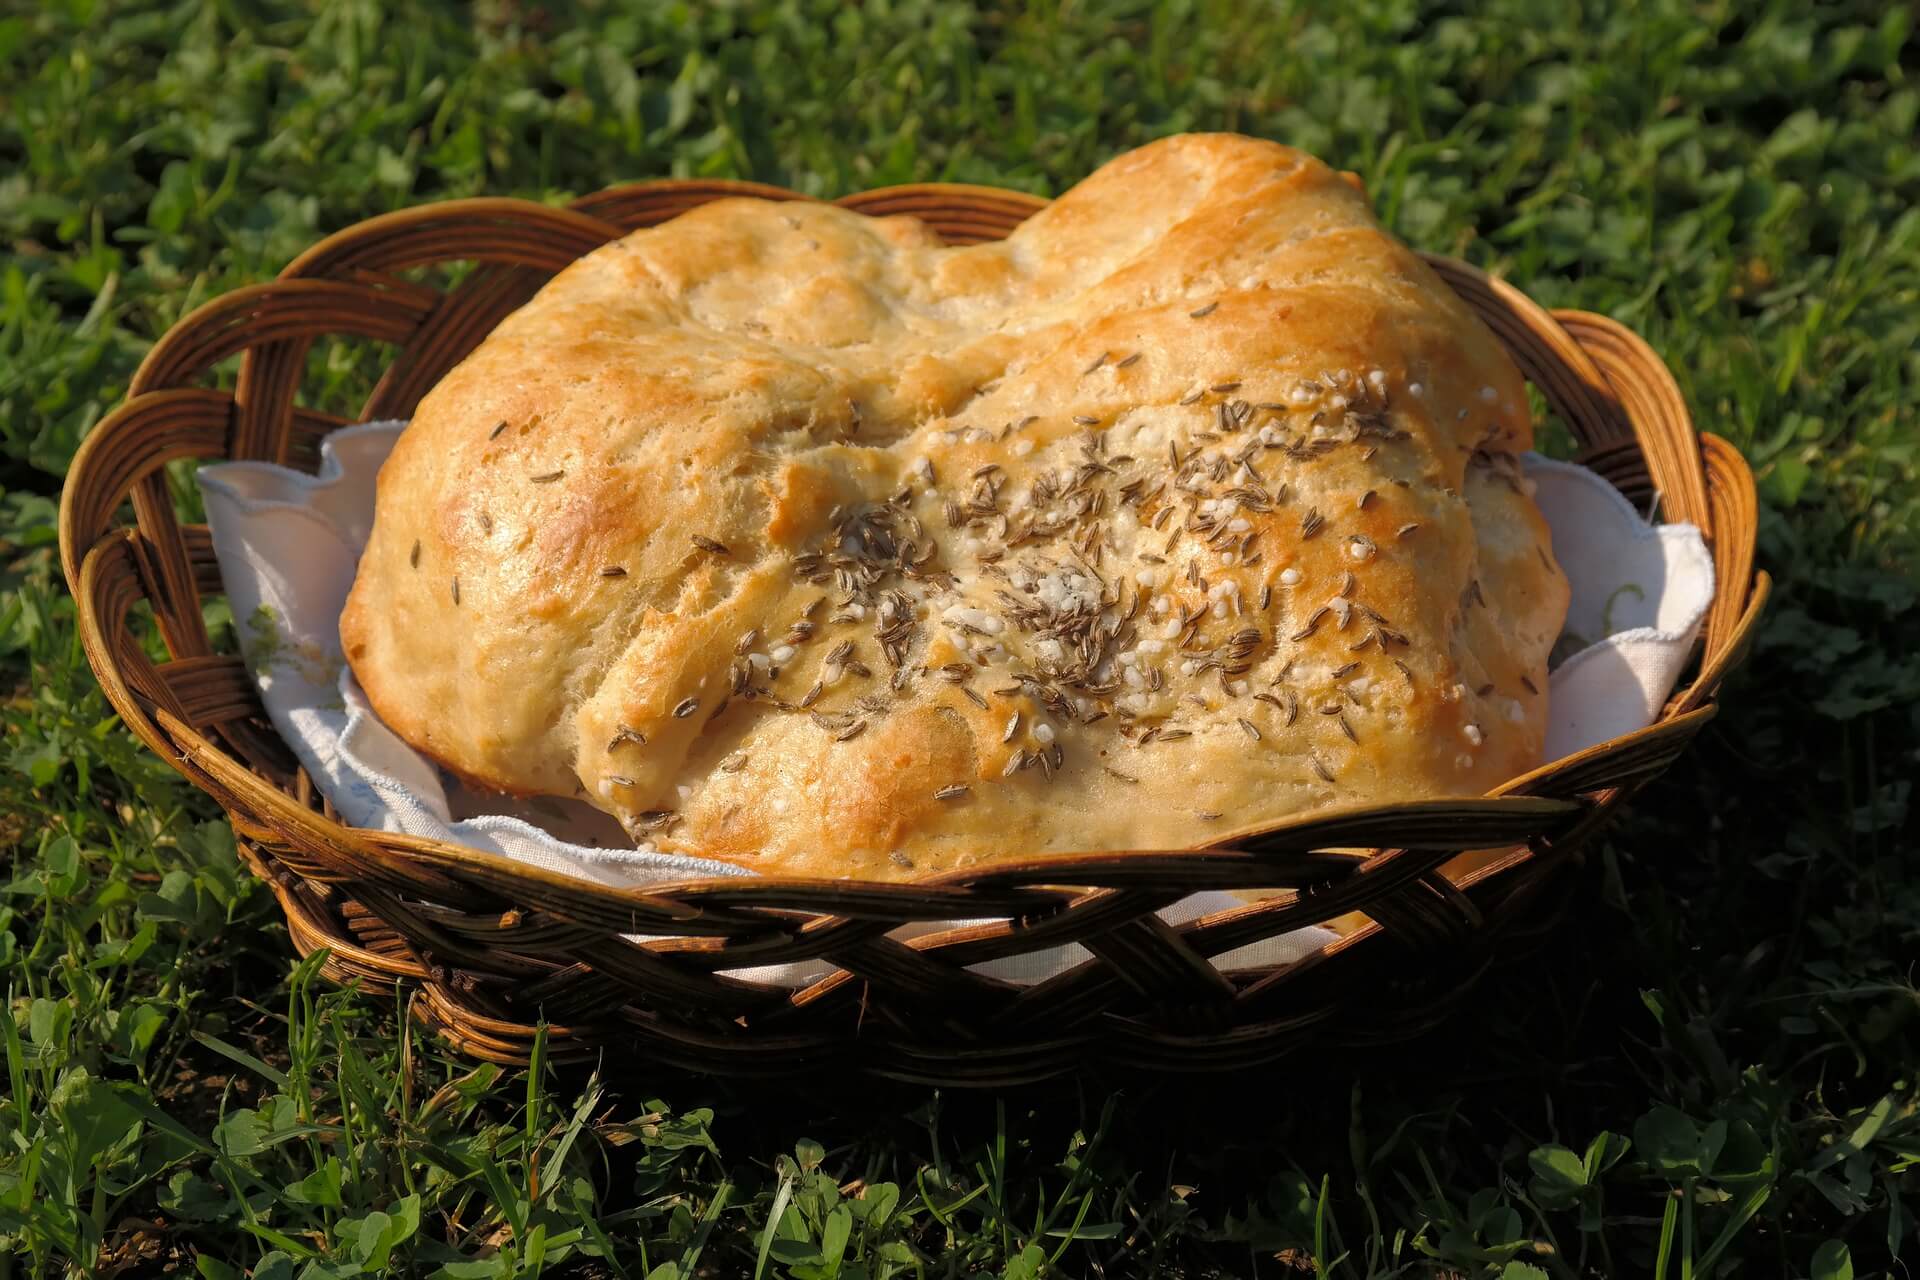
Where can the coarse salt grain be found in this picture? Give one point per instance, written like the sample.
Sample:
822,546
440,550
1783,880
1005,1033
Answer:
1290,578
1238,688
1064,590
978,619
1472,734
1021,448
1416,389
1042,733
781,653
1463,760
1489,395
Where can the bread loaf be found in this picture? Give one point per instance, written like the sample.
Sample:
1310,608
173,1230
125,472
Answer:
795,538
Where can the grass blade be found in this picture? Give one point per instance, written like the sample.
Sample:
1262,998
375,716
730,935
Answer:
782,1196
234,1053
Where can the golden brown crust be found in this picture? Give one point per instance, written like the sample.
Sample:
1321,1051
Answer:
812,545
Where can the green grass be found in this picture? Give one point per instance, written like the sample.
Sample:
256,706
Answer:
1710,1072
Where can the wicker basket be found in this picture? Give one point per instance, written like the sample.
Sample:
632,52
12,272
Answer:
494,948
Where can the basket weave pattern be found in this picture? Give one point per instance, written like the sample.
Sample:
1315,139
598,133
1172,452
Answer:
494,948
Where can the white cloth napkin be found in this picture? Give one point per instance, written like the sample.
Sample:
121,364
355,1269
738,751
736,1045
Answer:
288,544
